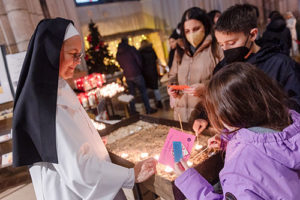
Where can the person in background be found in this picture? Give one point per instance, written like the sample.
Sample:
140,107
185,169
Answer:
149,71
193,66
262,155
214,16
291,24
277,33
131,62
52,133
173,43
236,31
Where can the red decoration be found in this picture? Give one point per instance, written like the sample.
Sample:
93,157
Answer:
101,43
89,82
97,48
89,38
86,57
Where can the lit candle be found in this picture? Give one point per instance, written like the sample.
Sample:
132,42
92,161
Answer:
124,155
144,155
156,157
168,169
198,147
189,163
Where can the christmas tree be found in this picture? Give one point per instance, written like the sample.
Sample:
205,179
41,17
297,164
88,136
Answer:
98,58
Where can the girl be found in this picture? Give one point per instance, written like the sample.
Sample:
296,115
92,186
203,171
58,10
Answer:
262,155
193,65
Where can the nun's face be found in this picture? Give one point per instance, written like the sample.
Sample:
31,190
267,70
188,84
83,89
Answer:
69,57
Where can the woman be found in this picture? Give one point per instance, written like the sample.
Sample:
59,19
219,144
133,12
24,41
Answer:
194,65
53,134
262,155
149,70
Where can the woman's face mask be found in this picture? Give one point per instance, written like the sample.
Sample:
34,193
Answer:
195,38
194,32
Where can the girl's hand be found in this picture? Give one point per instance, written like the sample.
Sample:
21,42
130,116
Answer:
197,89
214,142
199,126
144,169
180,167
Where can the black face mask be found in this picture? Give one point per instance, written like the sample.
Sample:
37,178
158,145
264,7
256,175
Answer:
236,54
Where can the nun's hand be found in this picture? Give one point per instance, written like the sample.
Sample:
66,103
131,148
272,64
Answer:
180,167
199,126
144,169
104,140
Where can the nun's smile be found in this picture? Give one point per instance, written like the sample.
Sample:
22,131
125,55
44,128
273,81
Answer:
70,57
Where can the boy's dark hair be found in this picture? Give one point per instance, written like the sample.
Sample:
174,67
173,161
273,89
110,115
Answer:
242,96
256,10
237,18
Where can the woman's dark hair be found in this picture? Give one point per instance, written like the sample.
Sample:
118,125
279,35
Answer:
200,15
212,15
241,95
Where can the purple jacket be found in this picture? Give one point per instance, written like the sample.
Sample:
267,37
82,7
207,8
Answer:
257,166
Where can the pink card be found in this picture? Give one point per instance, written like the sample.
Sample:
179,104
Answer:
166,156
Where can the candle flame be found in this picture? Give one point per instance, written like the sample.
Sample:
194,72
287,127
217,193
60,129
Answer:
124,155
168,169
198,147
144,155
189,163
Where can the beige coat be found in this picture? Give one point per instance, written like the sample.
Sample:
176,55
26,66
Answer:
192,70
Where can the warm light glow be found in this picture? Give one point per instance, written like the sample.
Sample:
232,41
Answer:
198,147
144,155
168,169
156,157
124,155
98,126
189,163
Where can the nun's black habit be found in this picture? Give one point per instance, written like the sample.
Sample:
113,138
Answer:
35,101
53,133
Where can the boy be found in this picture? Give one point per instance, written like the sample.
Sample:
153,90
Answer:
236,32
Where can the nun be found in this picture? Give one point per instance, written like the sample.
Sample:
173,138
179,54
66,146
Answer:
52,133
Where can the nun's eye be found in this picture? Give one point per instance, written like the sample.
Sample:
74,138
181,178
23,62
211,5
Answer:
76,56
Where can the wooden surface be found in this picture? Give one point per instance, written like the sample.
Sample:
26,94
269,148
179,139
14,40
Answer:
164,188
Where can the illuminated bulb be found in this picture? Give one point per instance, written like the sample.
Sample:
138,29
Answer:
189,163
156,157
124,155
168,169
197,147
144,155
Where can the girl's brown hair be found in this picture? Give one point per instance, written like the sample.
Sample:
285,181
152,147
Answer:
242,96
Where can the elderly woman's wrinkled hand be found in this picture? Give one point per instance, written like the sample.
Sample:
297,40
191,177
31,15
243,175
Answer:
144,169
